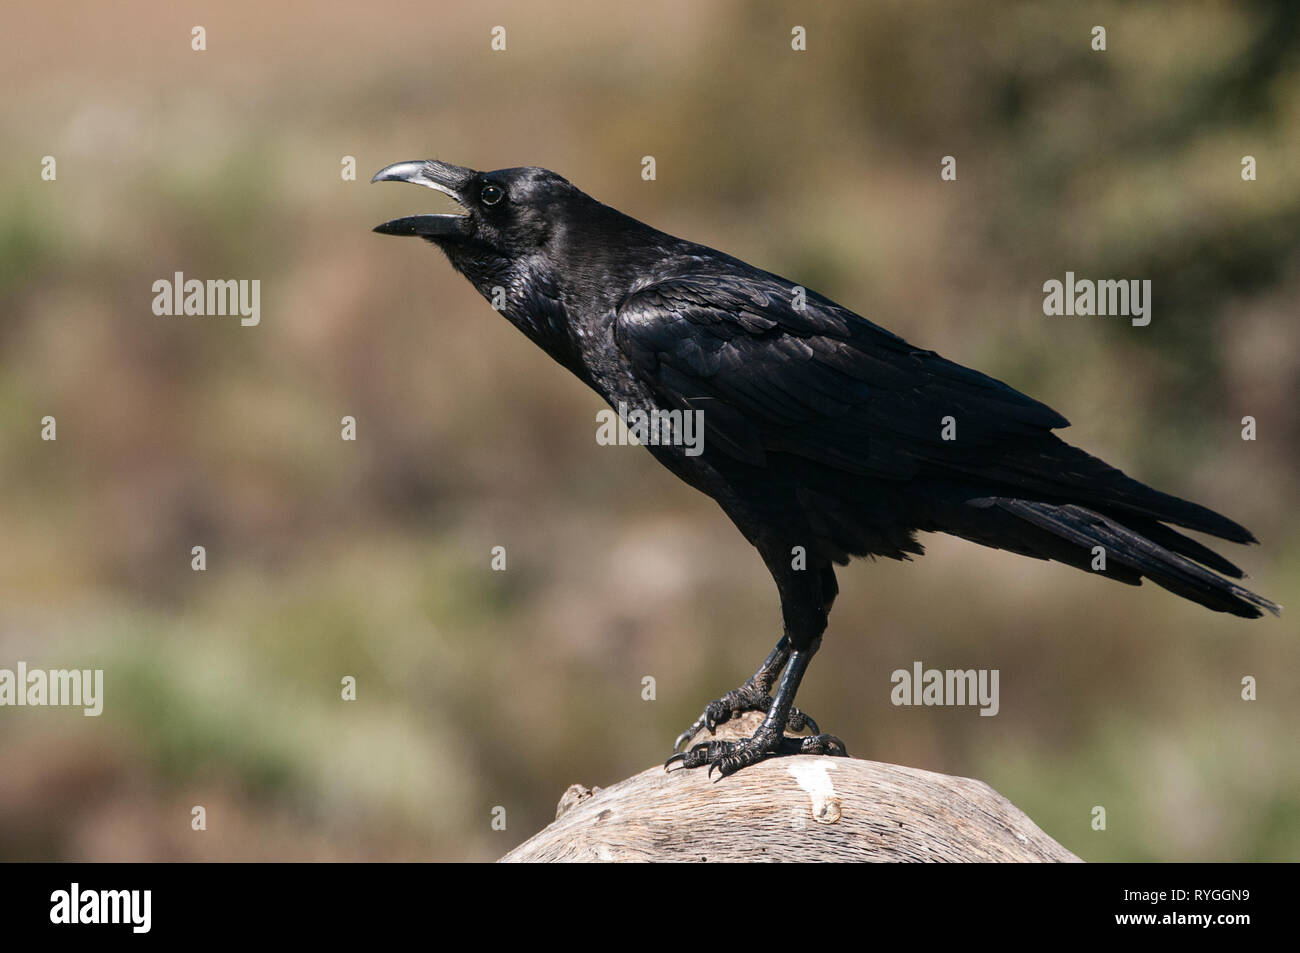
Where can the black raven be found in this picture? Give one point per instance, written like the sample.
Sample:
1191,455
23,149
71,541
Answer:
825,436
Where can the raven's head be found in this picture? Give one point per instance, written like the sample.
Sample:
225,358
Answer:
509,213
508,240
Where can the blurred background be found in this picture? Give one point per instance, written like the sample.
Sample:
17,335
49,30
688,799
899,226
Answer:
479,689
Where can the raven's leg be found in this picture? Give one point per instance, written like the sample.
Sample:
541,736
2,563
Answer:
754,695
805,601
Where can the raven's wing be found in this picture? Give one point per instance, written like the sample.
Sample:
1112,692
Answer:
776,369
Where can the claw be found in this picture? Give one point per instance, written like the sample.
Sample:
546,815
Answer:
736,702
728,757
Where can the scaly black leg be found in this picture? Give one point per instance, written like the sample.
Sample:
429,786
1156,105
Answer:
729,757
752,696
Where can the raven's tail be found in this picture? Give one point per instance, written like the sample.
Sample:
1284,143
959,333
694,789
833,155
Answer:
1048,499
1131,547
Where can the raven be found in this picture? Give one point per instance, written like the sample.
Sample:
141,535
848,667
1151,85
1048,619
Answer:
825,436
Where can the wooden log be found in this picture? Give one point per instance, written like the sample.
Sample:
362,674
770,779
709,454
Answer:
804,808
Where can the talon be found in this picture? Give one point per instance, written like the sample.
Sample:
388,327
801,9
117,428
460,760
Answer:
728,757
737,702
720,710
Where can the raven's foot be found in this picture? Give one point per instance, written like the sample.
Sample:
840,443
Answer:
738,701
728,757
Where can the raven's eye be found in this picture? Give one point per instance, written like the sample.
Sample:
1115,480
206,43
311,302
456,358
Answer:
491,195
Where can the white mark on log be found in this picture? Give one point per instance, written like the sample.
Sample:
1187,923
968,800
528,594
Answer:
814,777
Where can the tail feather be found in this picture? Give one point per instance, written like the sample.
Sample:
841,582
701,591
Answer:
1069,533
1175,541
1053,469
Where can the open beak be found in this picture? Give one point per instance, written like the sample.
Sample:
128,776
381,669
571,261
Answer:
448,179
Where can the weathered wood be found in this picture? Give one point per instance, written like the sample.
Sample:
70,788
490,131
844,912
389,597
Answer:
790,809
